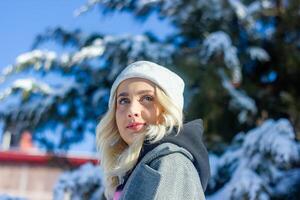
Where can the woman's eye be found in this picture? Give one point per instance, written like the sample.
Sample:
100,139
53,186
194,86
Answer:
123,101
147,98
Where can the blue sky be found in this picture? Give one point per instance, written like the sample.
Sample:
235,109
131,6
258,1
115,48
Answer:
21,21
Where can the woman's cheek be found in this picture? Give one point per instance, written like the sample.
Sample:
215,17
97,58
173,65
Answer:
118,114
120,109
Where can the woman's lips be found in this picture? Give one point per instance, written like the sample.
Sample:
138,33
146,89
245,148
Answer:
136,127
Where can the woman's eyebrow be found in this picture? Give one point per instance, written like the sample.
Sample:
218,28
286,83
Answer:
125,94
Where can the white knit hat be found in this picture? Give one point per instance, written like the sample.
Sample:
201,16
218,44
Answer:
167,80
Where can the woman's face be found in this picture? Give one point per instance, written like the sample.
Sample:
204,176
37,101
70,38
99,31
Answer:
136,107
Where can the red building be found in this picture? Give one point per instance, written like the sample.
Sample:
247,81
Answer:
32,174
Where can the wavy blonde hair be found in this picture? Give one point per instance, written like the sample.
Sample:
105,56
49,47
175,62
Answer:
117,158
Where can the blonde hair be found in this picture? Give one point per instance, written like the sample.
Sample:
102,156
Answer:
116,157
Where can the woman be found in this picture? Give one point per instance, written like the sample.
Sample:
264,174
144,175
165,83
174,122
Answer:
145,150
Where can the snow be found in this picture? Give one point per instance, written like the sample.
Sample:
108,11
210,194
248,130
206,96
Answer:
84,181
275,139
268,4
248,15
257,53
244,183
83,9
10,103
7,70
239,8
94,50
214,165
31,84
239,100
44,59
37,55
244,170
220,43
44,91
232,62
143,3
258,167
245,12
254,7
51,85
65,59
216,42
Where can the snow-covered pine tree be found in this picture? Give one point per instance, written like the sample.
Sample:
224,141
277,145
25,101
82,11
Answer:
69,105
239,59
84,183
217,45
212,36
260,164
61,97
245,39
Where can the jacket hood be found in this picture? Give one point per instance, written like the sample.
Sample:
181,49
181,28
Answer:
189,138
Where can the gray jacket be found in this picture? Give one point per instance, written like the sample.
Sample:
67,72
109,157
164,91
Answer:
165,173
170,171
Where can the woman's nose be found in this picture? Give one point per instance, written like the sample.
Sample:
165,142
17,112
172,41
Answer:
134,110
135,114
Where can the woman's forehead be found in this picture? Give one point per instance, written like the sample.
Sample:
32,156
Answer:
136,85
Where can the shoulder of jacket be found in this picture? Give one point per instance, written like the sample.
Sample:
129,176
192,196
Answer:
163,150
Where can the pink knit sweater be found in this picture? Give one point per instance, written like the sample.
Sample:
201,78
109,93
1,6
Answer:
117,195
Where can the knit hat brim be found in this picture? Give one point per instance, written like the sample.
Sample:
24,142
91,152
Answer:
168,81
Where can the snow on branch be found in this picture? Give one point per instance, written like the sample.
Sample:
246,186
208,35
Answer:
219,43
241,10
95,50
249,16
31,84
17,102
257,53
88,6
44,59
257,167
27,86
176,10
67,88
105,49
36,58
239,99
39,59
274,139
85,181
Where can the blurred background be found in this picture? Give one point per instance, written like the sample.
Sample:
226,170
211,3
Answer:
240,60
